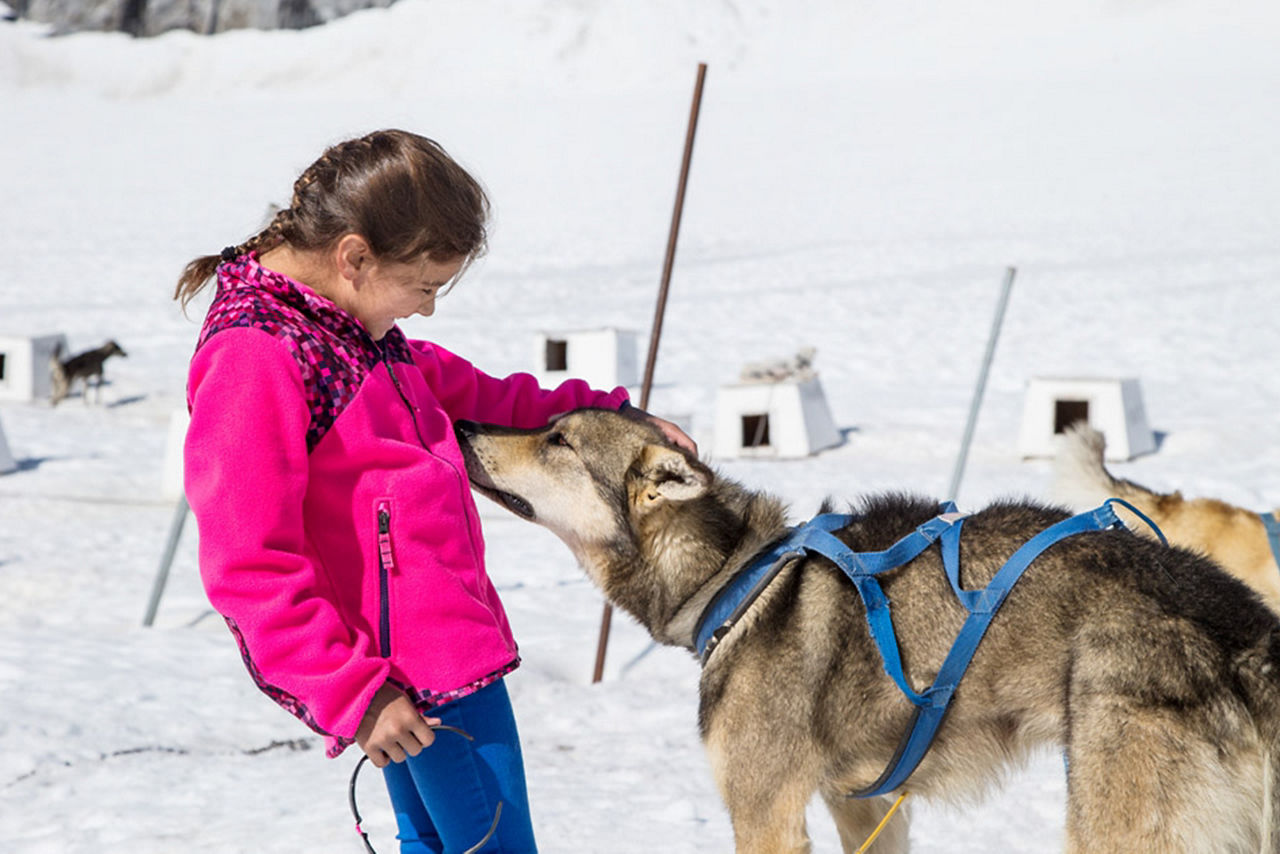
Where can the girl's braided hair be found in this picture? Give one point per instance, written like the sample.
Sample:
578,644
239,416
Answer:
399,191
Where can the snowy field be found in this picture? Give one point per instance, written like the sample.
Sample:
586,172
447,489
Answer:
864,173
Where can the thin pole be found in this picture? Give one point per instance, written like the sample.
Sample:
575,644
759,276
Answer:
166,560
655,334
976,403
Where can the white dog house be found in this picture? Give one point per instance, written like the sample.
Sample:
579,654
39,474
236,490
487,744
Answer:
24,366
605,358
171,484
7,462
1109,405
785,419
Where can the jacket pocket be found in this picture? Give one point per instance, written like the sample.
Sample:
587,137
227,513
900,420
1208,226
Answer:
386,567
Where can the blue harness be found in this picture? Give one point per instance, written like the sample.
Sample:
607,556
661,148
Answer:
1273,534
931,706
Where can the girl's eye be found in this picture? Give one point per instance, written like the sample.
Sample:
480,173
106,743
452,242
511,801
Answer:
558,439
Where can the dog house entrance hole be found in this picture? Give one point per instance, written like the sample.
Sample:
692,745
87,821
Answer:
1,367
755,431
557,355
1068,412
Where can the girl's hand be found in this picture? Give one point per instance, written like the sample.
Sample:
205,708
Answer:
392,729
672,432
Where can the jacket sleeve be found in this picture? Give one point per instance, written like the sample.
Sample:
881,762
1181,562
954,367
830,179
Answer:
246,471
517,400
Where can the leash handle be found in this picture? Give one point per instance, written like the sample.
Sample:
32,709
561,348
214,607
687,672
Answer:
355,811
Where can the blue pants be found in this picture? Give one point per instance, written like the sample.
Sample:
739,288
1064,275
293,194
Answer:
445,798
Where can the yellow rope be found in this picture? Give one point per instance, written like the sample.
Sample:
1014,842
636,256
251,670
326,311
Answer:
883,822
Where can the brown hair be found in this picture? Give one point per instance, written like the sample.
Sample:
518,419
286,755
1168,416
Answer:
399,191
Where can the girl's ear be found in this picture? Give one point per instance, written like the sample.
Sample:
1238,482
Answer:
352,257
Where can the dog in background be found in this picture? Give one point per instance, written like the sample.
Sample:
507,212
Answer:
85,368
1151,667
1233,537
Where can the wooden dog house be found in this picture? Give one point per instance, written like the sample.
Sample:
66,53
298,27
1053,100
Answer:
605,358
24,366
1112,406
785,419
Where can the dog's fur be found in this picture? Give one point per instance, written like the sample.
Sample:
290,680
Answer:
1152,669
1233,537
86,368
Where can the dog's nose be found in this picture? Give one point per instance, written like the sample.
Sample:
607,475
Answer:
465,429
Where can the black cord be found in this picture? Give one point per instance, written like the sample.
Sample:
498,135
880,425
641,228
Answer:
355,811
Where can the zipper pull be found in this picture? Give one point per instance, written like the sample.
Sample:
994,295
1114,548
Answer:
384,521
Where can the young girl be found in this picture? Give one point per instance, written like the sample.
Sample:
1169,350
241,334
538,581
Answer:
338,535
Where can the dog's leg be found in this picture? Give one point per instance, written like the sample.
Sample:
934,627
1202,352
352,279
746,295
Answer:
857,819
1148,779
766,794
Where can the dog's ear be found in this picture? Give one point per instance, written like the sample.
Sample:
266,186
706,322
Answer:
670,475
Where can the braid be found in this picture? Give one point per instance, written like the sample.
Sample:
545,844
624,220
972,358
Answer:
197,273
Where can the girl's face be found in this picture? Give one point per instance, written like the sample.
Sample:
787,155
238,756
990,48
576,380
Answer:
392,290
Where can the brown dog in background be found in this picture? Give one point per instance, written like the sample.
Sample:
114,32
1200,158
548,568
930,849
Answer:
86,367
1232,536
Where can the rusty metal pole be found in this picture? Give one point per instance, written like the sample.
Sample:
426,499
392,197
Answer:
656,332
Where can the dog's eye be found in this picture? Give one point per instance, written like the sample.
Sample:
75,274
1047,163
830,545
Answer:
558,439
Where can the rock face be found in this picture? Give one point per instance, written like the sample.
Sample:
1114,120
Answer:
152,17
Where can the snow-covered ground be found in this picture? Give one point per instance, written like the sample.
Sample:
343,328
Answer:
864,172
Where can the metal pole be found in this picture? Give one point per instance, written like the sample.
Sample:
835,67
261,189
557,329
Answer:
166,561
655,333
976,403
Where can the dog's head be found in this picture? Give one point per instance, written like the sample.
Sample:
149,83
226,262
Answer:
648,522
111,348
594,477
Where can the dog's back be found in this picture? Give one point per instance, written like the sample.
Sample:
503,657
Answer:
1233,537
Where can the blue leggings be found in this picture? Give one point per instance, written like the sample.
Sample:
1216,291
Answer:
445,798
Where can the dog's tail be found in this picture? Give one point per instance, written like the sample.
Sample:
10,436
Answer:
1081,479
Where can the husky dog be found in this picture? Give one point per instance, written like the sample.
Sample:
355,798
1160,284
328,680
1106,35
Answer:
85,367
1233,537
1157,673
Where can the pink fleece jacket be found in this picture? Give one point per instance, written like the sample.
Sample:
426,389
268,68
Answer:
338,535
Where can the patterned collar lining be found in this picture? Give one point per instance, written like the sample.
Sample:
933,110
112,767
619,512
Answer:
247,271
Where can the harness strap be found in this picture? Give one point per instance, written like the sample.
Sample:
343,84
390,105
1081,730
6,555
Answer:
937,699
733,600
1272,525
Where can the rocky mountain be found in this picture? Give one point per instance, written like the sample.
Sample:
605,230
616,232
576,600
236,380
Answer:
152,17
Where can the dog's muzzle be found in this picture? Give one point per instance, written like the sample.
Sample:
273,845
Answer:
465,432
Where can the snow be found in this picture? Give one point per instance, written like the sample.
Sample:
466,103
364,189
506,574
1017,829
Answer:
863,175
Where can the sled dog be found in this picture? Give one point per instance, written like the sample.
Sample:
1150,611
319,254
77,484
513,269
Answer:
1153,670
86,368
1233,537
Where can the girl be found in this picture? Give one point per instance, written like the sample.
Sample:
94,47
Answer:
338,535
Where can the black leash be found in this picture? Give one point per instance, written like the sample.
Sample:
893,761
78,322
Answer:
351,798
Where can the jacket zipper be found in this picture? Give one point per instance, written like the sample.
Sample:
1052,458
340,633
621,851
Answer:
386,562
413,412
413,416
